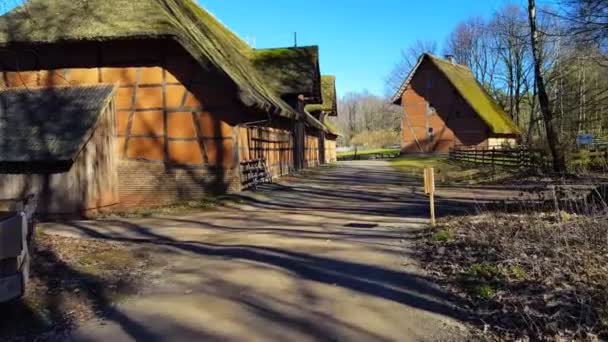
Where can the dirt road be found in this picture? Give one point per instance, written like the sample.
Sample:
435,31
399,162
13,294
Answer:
324,256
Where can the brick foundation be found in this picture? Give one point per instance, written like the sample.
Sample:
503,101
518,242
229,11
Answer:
147,184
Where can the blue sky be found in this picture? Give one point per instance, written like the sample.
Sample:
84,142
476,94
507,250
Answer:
359,40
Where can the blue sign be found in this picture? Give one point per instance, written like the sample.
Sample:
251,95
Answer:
584,139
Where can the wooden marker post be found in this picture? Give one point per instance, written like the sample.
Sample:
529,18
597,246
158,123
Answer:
429,189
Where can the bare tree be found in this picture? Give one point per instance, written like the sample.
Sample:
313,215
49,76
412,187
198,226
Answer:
408,60
365,112
553,139
588,20
471,45
509,28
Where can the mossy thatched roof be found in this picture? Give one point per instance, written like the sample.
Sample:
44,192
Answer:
471,91
328,93
313,122
290,71
331,126
203,36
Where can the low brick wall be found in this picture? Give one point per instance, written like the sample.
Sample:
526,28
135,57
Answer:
145,184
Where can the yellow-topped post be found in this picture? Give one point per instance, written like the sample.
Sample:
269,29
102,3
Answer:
429,189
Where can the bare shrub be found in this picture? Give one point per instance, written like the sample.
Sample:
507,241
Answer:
376,139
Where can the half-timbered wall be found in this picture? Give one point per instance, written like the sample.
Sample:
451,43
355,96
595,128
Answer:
172,116
177,123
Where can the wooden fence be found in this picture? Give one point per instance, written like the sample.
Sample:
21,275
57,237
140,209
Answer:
505,157
595,157
523,157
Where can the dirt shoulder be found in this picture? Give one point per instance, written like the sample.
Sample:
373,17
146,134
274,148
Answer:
72,281
535,275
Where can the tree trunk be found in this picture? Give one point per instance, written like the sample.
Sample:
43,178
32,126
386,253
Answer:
553,139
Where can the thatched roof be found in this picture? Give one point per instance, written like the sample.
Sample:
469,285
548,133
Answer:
331,127
290,71
203,36
471,91
328,92
48,124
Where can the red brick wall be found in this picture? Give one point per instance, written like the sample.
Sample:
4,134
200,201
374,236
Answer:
454,121
151,184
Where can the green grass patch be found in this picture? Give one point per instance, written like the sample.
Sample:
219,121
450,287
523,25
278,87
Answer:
484,271
442,236
370,151
448,172
484,291
479,280
420,162
517,272
444,170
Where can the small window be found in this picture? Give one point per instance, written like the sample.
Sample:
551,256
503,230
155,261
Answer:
430,132
431,109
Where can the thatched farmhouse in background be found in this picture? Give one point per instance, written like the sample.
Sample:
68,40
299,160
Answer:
445,106
322,112
129,103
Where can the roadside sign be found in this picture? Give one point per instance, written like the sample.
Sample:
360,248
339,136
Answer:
584,139
429,180
429,189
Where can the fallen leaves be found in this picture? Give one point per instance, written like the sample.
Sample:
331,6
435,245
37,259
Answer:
545,273
73,280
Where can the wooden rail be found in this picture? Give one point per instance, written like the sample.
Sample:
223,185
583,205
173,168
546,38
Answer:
363,155
504,157
595,157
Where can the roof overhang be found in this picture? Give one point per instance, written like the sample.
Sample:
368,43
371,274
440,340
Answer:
397,97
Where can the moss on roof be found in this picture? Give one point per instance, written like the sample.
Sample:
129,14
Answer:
313,122
476,96
328,91
203,36
331,126
290,71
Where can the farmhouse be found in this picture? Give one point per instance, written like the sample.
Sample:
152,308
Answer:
322,112
132,103
445,106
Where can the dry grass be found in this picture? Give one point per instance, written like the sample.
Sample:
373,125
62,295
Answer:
532,274
449,172
184,207
72,281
